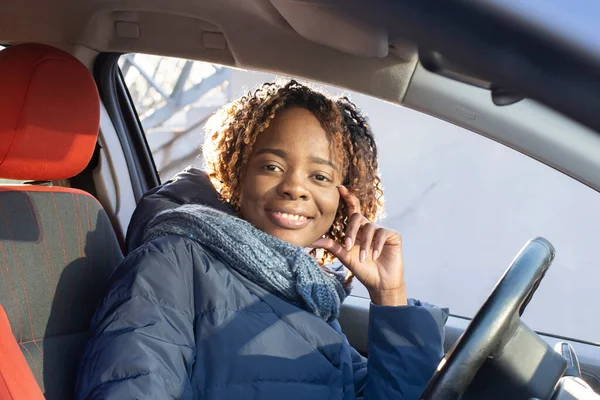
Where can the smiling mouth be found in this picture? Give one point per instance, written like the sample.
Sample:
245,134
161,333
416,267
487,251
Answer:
288,220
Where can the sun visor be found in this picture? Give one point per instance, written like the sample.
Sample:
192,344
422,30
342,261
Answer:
328,24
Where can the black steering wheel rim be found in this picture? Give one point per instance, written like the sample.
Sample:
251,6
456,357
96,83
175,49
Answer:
492,324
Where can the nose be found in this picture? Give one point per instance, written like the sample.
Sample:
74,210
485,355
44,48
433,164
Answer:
292,187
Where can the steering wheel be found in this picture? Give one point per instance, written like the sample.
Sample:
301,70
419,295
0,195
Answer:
494,324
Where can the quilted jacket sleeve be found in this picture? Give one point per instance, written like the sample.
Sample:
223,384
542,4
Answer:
142,344
405,346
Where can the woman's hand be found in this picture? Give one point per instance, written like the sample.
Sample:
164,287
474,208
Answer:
372,253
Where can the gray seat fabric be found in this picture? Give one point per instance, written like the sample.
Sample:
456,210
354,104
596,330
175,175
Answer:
57,250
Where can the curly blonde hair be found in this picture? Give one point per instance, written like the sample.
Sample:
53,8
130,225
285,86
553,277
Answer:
232,132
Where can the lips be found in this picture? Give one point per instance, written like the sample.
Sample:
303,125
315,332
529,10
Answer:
289,219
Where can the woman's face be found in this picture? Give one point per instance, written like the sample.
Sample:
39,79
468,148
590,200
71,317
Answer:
289,190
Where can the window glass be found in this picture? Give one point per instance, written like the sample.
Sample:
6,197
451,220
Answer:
464,204
4,182
174,98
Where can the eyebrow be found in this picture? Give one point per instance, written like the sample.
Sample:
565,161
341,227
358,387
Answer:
319,160
284,154
277,152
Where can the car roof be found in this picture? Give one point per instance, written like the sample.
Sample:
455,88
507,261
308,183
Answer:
369,47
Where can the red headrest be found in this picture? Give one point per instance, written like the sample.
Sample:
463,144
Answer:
49,113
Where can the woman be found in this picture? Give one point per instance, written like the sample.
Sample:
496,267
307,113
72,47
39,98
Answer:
219,304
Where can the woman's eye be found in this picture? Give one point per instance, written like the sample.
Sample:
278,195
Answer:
321,178
272,168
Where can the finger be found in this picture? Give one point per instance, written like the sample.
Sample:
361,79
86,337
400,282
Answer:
352,202
366,237
379,240
354,223
333,247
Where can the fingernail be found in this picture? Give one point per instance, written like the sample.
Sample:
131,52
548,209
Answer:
363,256
375,254
349,243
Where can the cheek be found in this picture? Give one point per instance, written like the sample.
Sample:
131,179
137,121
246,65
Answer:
253,189
329,205
246,195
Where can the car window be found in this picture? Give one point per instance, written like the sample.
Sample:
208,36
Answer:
464,204
174,98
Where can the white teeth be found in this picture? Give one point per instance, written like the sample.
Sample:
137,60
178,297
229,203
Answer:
291,216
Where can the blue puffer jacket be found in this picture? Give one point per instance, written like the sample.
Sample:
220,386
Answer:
178,323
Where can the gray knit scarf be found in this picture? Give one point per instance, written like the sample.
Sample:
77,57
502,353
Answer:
277,266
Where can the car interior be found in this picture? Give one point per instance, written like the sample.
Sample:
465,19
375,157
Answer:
72,140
